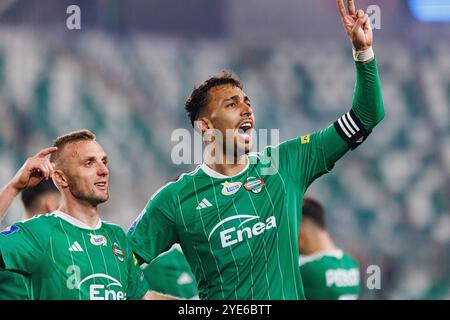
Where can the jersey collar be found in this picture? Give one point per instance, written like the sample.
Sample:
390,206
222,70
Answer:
336,253
214,174
76,222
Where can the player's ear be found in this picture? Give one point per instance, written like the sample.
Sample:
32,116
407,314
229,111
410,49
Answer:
202,125
60,179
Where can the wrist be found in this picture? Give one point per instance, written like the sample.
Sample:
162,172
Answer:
12,189
364,55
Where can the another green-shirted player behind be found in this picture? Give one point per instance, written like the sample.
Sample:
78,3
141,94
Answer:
70,253
237,216
170,274
328,273
42,198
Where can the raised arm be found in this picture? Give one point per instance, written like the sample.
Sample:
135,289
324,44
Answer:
34,170
319,151
367,99
350,130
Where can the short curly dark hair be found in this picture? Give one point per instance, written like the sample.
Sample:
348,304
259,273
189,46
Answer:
199,96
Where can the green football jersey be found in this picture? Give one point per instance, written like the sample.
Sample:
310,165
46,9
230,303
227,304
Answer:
170,274
240,233
330,275
65,259
13,286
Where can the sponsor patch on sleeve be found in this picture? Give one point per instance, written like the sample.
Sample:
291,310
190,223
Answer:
10,230
305,139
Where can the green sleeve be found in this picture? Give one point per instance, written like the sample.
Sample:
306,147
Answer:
310,156
20,249
137,285
154,231
367,106
304,159
367,98
170,274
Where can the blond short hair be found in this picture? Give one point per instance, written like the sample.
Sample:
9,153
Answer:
75,136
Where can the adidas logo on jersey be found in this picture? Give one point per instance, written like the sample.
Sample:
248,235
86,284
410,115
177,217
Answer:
76,247
204,204
184,278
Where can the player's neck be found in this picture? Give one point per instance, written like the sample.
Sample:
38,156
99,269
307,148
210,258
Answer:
82,211
321,242
229,169
28,216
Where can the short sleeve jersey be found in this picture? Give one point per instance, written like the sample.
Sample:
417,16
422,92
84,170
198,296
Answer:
65,259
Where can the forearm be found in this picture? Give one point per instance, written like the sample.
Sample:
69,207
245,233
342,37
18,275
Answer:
368,111
367,99
7,195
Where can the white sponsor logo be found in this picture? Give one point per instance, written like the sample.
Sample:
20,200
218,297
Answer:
234,235
102,292
342,277
97,290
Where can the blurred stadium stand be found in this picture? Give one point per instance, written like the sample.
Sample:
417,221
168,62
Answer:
387,202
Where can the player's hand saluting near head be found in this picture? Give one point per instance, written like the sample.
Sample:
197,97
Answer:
34,170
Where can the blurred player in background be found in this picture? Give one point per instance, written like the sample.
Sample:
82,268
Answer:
70,253
170,274
236,220
328,273
43,198
39,199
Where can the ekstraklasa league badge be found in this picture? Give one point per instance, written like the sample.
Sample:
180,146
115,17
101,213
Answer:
118,252
253,184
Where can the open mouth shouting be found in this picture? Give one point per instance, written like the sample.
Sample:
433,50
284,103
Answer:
245,129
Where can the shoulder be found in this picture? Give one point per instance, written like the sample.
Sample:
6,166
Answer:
350,259
170,190
38,229
287,148
309,261
118,230
321,257
40,223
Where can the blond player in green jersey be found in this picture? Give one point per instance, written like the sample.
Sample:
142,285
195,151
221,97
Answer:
237,216
70,253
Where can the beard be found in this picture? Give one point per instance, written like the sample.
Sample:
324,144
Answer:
231,154
86,195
